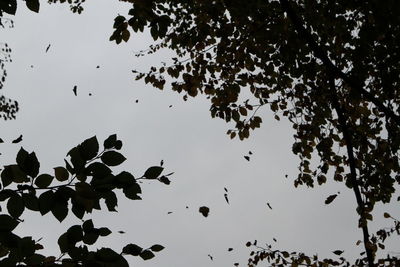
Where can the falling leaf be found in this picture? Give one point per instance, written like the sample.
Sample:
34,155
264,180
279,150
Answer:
226,190
204,210
247,158
338,252
1,140
211,258
170,106
187,207
97,67
90,94
274,239
169,212
330,199
121,232
269,206
137,101
19,139
74,90
226,198
250,153
48,47
230,249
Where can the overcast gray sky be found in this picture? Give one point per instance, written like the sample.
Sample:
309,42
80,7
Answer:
194,146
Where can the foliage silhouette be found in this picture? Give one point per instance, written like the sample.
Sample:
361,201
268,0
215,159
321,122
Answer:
330,67
79,186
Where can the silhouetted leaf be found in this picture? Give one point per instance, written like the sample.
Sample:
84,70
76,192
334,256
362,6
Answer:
338,252
75,90
330,199
112,158
146,254
104,231
386,215
43,180
46,201
110,141
204,211
132,191
33,5
111,201
15,205
17,140
132,249
153,172
156,248
164,180
60,210
61,174
89,148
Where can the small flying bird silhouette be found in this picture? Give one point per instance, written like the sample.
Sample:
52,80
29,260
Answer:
162,163
74,90
19,139
211,257
269,206
169,212
48,47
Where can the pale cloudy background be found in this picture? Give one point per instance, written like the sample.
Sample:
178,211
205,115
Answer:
194,146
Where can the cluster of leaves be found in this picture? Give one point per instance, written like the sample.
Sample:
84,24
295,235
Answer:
79,187
8,107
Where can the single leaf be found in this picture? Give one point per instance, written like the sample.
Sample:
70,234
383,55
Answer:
46,201
153,172
60,210
112,158
89,148
110,141
15,206
61,174
156,248
204,211
132,249
386,215
43,180
104,231
338,252
146,254
330,199
33,5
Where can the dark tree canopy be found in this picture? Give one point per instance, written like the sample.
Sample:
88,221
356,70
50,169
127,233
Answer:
330,67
